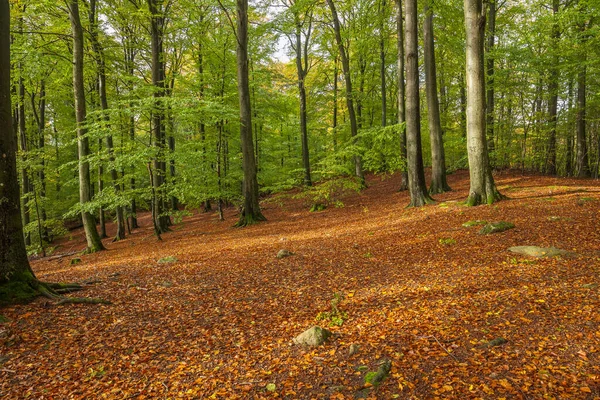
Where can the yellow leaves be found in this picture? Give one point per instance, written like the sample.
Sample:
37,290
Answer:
585,389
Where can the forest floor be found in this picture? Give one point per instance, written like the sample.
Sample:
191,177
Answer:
419,289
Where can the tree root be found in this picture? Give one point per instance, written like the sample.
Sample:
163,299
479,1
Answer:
55,291
82,300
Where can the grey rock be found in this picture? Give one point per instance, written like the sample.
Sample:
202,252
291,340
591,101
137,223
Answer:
353,349
495,227
535,251
283,253
312,337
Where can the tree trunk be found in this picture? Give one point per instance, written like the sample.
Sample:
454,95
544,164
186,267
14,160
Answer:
14,266
41,126
101,65
349,95
382,6
439,183
553,89
335,102
25,183
417,187
251,212
302,70
483,188
83,148
582,167
401,101
157,22
490,105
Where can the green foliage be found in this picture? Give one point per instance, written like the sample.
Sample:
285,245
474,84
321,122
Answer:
380,148
330,192
336,317
447,241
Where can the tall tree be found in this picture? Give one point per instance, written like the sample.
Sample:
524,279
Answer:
482,186
251,212
417,187
490,93
159,165
553,89
101,75
83,148
14,266
348,79
401,87
439,183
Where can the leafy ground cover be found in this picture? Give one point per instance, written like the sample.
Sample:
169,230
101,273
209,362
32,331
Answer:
456,313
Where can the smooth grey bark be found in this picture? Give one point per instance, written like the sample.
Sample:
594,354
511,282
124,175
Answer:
23,143
482,187
581,158
39,112
101,75
14,265
553,89
251,212
439,183
417,187
401,91
89,224
157,22
382,6
302,70
349,92
490,90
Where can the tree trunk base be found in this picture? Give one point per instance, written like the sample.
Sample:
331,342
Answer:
249,219
25,290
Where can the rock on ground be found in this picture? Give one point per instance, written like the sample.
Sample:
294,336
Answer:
535,251
313,337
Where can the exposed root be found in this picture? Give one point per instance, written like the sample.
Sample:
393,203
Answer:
82,300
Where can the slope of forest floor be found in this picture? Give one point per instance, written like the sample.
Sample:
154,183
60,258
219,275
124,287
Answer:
418,288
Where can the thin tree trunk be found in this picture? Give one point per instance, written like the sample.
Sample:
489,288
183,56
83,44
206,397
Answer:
401,95
25,183
553,89
302,70
490,93
382,6
349,94
483,188
89,224
157,22
583,169
439,183
101,65
335,102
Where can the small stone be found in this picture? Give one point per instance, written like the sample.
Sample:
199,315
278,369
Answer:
535,251
496,227
496,342
476,222
283,253
313,337
271,387
375,378
353,349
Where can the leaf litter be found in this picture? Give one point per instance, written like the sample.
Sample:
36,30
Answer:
217,320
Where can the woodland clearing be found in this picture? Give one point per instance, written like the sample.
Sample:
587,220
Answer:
215,318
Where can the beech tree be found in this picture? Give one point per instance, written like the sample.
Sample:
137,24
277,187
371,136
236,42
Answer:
344,56
439,182
89,223
251,212
482,187
417,187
